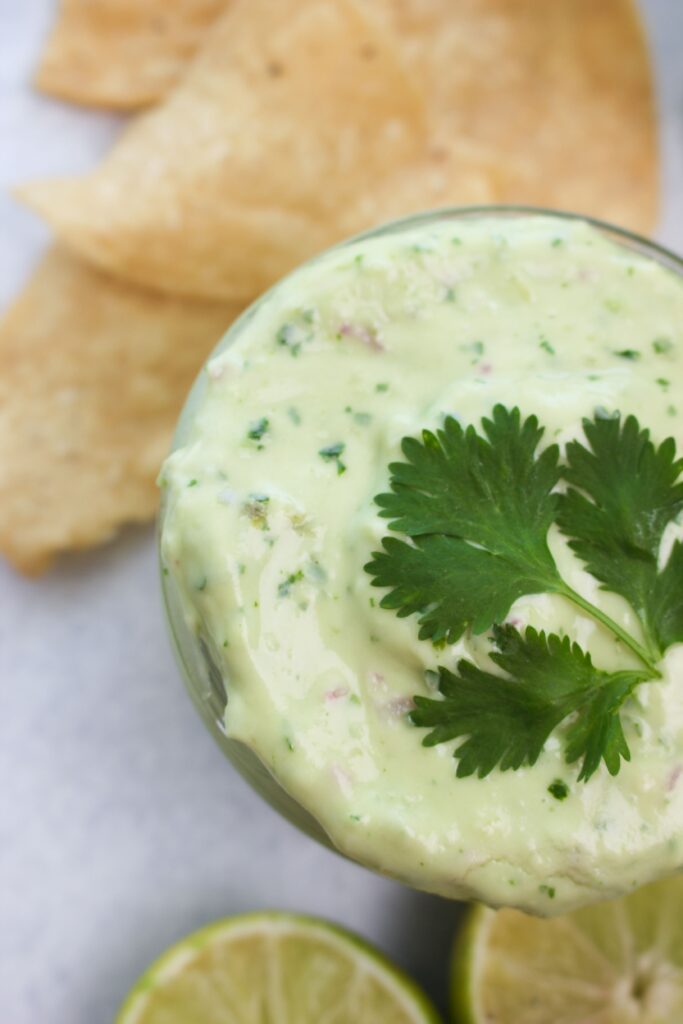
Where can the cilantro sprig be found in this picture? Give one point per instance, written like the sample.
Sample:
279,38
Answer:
476,509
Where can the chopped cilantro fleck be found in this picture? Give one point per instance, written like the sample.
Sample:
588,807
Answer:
332,453
257,429
294,415
546,346
287,336
559,789
192,483
662,345
557,241
628,353
382,386
285,587
293,333
663,383
548,890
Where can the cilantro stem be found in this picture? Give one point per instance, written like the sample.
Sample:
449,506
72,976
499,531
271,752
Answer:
640,652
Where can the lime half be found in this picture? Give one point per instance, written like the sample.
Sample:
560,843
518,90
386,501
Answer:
613,963
270,968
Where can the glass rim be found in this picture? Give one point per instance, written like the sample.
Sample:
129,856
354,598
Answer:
634,238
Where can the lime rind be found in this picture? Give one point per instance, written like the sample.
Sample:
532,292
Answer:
466,961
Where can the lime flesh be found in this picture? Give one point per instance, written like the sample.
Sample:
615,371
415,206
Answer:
613,963
269,968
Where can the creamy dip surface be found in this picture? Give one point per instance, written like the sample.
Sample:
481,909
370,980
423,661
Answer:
269,519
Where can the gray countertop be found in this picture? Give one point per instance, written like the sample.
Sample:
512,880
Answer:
121,825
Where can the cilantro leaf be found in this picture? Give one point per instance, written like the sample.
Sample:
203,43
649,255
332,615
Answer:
507,719
597,734
665,606
478,509
449,583
630,491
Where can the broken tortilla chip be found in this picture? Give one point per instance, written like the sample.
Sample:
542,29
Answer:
122,53
556,97
93,374
294,110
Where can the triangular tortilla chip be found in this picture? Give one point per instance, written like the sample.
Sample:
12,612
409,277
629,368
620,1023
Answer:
294,109
556,95
122,53
284,139
93,373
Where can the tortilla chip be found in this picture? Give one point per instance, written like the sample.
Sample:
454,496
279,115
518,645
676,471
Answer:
294,109
557,93
92,376
122,53
448,174
299,124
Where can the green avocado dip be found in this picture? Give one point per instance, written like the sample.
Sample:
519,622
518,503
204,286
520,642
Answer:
270,521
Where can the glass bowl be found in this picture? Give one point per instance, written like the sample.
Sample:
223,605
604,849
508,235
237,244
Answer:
209,690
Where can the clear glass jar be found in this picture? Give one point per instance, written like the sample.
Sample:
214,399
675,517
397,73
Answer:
207,687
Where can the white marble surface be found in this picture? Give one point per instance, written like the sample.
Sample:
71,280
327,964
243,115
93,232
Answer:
121,826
